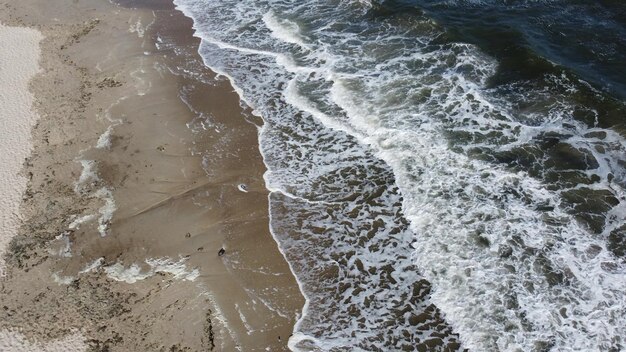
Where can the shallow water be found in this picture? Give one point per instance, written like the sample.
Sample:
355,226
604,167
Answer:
456,159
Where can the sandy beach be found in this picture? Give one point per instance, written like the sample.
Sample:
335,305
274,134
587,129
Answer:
244,175
18,64
144,166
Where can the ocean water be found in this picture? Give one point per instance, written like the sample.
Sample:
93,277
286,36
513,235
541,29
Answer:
444,174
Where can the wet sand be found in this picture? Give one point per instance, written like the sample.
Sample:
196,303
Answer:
133,189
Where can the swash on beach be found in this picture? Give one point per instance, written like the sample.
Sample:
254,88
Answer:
475,145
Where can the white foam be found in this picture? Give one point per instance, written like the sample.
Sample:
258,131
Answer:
465,276
65,250
62,280
104,141
75,225
445,252
95,265
129,275
134,272
88,173
138,27
106,211
274,181
177,269
249,329
395,92
143,85
294,98
284,30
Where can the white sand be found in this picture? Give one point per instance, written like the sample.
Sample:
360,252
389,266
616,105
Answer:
19,56
13,341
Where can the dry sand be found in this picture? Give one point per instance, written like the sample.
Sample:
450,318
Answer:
132,190
19,62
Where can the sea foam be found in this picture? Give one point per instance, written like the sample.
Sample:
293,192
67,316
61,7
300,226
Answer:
370,123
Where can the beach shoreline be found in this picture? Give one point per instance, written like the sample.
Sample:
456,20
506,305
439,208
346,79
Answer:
143,169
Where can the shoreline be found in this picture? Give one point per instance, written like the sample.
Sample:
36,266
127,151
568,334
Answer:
138,162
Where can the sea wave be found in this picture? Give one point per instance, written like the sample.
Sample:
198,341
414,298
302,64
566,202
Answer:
395,167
